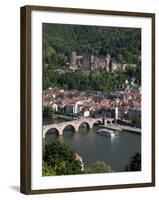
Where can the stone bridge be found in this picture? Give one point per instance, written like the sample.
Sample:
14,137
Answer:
75,124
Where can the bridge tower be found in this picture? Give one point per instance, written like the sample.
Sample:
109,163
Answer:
116,113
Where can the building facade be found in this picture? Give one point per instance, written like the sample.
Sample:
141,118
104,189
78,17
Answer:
90,62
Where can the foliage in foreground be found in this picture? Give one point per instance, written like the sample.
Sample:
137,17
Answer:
134,163
48,170
98,167
59,159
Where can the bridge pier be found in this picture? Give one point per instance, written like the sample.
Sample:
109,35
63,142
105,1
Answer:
60,130
76,129
91,126
60,133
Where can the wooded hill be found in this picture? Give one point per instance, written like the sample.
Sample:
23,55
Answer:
59,40
124,44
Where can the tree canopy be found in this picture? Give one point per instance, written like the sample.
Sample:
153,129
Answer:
97,80
134,163
98,167
59,159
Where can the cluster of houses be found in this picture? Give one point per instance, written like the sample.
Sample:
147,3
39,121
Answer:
88,61
94,103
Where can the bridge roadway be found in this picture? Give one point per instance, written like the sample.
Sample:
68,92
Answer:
75,124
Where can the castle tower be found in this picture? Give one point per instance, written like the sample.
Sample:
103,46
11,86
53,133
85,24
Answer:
92,58
86,61
73,58
108,60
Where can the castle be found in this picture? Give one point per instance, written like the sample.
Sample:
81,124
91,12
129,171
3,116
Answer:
90,62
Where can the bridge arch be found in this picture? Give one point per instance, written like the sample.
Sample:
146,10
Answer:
52,130
97,122
84,123
68,125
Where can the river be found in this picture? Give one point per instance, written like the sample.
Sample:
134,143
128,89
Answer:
92,147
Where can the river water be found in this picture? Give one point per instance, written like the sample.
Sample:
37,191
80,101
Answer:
115,151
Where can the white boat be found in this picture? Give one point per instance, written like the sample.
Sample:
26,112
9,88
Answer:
105,132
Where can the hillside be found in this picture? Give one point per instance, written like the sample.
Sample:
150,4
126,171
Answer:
59,40
124,44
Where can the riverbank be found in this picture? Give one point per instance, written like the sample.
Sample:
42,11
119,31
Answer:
118,127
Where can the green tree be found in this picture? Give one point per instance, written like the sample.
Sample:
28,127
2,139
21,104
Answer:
48,170
47,111
61,159
96,80
99,167
120,58
130,71
134,163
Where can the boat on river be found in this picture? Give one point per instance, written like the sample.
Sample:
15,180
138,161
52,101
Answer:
105,132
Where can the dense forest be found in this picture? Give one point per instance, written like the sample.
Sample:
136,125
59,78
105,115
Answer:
99,80
123,44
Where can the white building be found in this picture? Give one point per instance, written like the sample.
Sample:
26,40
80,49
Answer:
77,107
86,113
55,107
